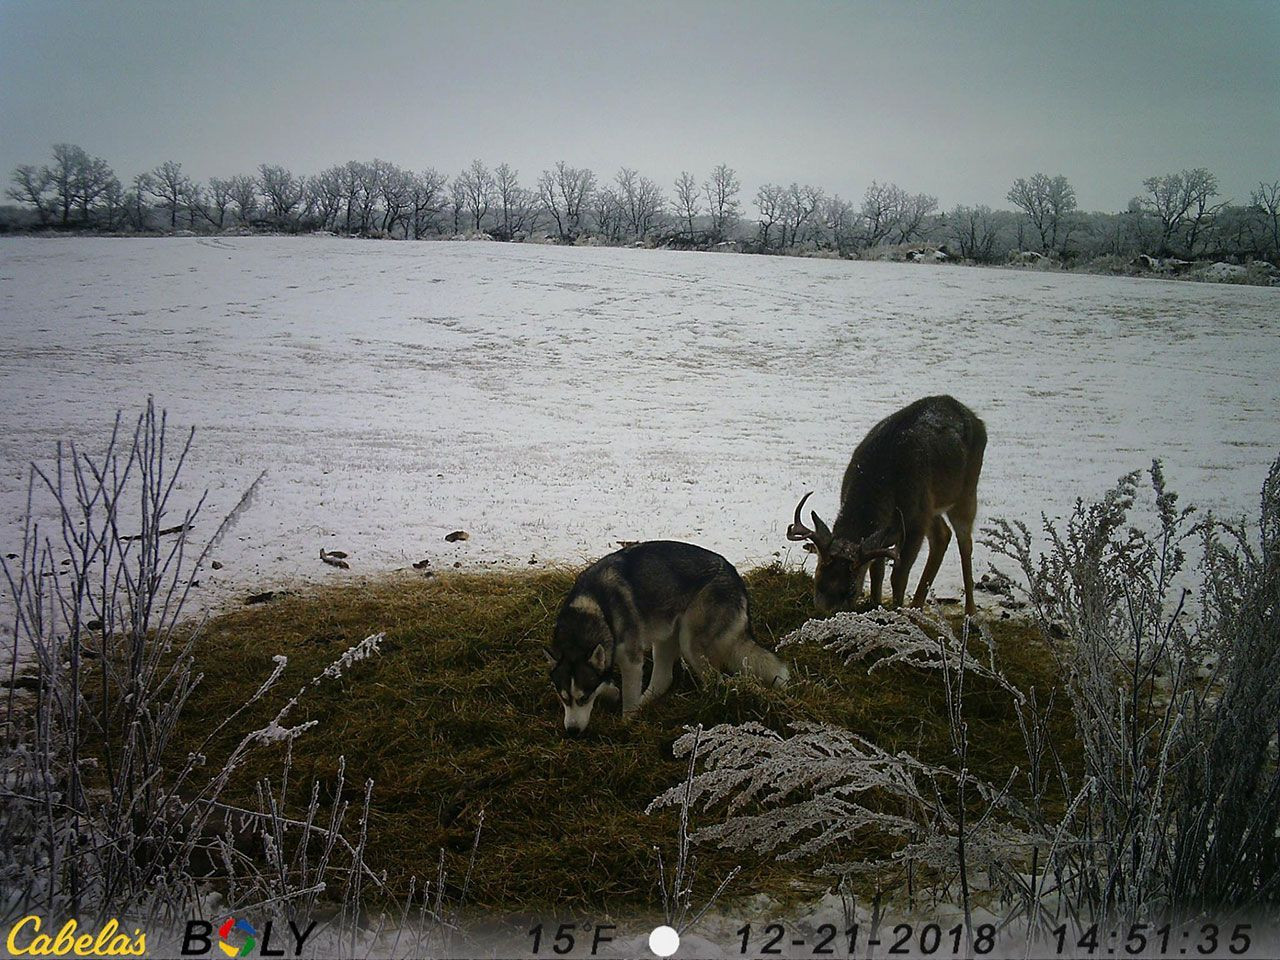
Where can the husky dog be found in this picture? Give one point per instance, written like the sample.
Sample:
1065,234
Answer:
662,596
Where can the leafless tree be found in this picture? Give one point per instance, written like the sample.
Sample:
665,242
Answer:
219,201
625,196
30,185
687,200
771,200
1181,202
609,214
799,212
395,192
1267,200
641,201
168,184
916,210
576,186
193,203
550,201
135,202
565,192
457,204
1047,202
114,205
74,181
525,213
68,160
324,196
427,201
93,178
507,192
360,192
477,188
350,178
1240,231
840,224
1140,226
882,207
1110,234
974,231
282,192
521,211
722,200
244,194
1203,213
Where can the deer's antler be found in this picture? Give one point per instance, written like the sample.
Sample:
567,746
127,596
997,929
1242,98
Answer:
797,530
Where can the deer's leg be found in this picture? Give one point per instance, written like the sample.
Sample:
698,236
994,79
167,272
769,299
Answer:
877,581
907,552
859,581
939,537
961,518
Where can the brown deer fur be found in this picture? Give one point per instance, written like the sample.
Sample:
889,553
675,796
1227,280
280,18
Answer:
911,469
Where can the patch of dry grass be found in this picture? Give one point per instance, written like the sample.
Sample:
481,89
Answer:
457,716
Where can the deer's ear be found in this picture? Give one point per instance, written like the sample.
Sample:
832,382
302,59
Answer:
820,528
887,536
823,538
599,658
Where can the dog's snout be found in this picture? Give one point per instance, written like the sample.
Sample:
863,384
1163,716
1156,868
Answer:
573,732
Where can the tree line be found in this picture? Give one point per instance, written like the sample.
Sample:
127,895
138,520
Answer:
1177,214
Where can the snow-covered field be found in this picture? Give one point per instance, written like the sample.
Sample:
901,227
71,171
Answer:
553,401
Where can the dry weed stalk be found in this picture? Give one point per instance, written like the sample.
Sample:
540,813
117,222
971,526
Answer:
98,815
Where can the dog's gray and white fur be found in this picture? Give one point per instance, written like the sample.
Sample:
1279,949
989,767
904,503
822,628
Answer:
659,596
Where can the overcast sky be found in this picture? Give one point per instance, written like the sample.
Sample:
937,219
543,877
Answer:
952,99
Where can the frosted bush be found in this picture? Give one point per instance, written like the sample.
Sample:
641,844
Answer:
1185,791
909,636
98,815
1177,806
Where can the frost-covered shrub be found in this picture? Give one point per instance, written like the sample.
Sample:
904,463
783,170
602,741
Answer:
819,791
908,636
1172,671
1177,711
678,908
823,791
99,815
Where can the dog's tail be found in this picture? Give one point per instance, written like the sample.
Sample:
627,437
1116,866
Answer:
752,658
763,664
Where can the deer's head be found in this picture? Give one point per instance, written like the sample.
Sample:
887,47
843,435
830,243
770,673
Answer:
842,563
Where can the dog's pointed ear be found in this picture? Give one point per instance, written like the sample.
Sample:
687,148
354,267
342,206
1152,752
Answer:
599,658
551,657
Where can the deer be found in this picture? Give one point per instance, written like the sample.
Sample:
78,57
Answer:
911,469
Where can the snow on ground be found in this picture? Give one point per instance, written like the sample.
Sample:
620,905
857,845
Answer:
552,401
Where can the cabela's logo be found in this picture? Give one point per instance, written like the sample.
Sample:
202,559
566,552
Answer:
26,940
